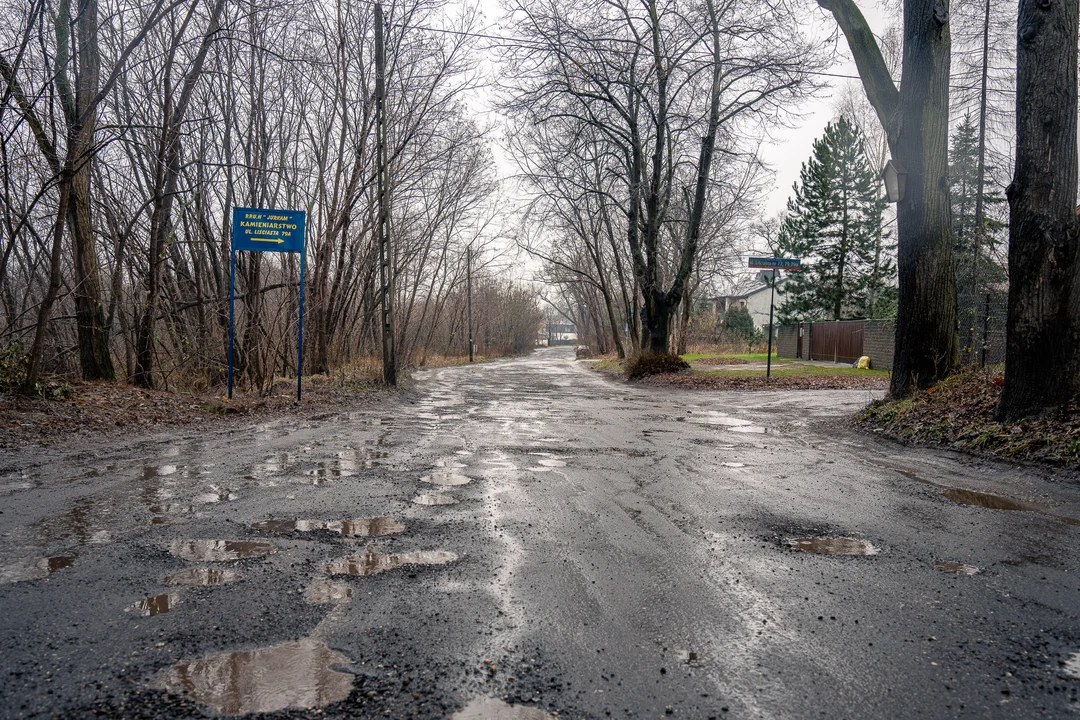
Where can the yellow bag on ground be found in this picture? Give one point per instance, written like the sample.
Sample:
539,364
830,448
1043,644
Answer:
864,362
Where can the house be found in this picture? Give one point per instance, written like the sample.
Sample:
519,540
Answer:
756,301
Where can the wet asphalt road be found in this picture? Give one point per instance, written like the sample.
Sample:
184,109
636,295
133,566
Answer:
614,550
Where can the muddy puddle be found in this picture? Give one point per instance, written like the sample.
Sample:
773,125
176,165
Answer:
203,577
292,675
486,708
955,567
986,500
434,499
449,478
833,546
322,592
356,527
156,605
219,550
372,562
34,568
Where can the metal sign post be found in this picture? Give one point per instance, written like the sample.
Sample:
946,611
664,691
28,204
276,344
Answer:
264,230
773,266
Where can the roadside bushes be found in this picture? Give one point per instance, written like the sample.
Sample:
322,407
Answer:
654,364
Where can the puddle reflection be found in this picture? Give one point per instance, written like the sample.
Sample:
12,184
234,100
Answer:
34,568
494,709
322,592
372,562
219,550
833,546
446,477
986,500
356,527
156,605
956,567
292,675
434,499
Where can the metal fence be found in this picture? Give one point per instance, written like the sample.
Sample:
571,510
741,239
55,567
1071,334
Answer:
981,319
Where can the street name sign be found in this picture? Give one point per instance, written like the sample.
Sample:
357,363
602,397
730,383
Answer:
764,262
268,230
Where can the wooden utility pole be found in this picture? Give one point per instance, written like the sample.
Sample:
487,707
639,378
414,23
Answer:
468,282
386,256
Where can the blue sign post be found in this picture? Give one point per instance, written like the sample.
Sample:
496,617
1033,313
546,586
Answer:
262,230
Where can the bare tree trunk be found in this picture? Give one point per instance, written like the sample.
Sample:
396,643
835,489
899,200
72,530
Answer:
915,118
1042,362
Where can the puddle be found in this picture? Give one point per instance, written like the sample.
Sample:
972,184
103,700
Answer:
156,605
1072,666
733,465
551,463
434,499
956,567
357,527
163,513
203,577
833,546
449,464
219,550
986,500
216,496
333,469
291,675
689,657
446,477
372,562
749,429
34,569
494,709
322,592
717,419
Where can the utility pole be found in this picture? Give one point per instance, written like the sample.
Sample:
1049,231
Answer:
468,277
386,255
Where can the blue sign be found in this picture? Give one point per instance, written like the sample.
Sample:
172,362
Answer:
264,230
760,262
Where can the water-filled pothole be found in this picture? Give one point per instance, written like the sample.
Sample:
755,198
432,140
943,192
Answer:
486,708
219,550
321,592
986,500
955,567
434,499
203,577
1072,666
833,546
446,477
355,527
372,562
34,569
156,605
748,429
292,675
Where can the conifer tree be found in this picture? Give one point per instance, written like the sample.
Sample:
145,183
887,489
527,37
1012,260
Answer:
834,224
972,276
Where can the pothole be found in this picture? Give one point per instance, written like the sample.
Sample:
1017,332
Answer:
322,592
291,675
833,546
219,550
486,708
1072,666
372,562
156,605
434,499
955,567
203,577
446,477
355,527
986,500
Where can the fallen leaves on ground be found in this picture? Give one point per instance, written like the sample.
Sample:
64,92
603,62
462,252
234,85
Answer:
760,382
958,412
116,407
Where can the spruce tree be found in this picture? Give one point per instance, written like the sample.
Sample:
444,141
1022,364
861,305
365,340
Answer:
963,189
834,223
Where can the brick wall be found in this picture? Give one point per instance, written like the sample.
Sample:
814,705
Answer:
787,341
878,339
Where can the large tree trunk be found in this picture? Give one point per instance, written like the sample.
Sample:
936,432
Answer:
916,120
93,336
1042,363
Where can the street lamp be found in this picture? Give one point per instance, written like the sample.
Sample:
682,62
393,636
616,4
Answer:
895,177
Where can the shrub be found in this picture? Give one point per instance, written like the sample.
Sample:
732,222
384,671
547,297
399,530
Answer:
655,364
